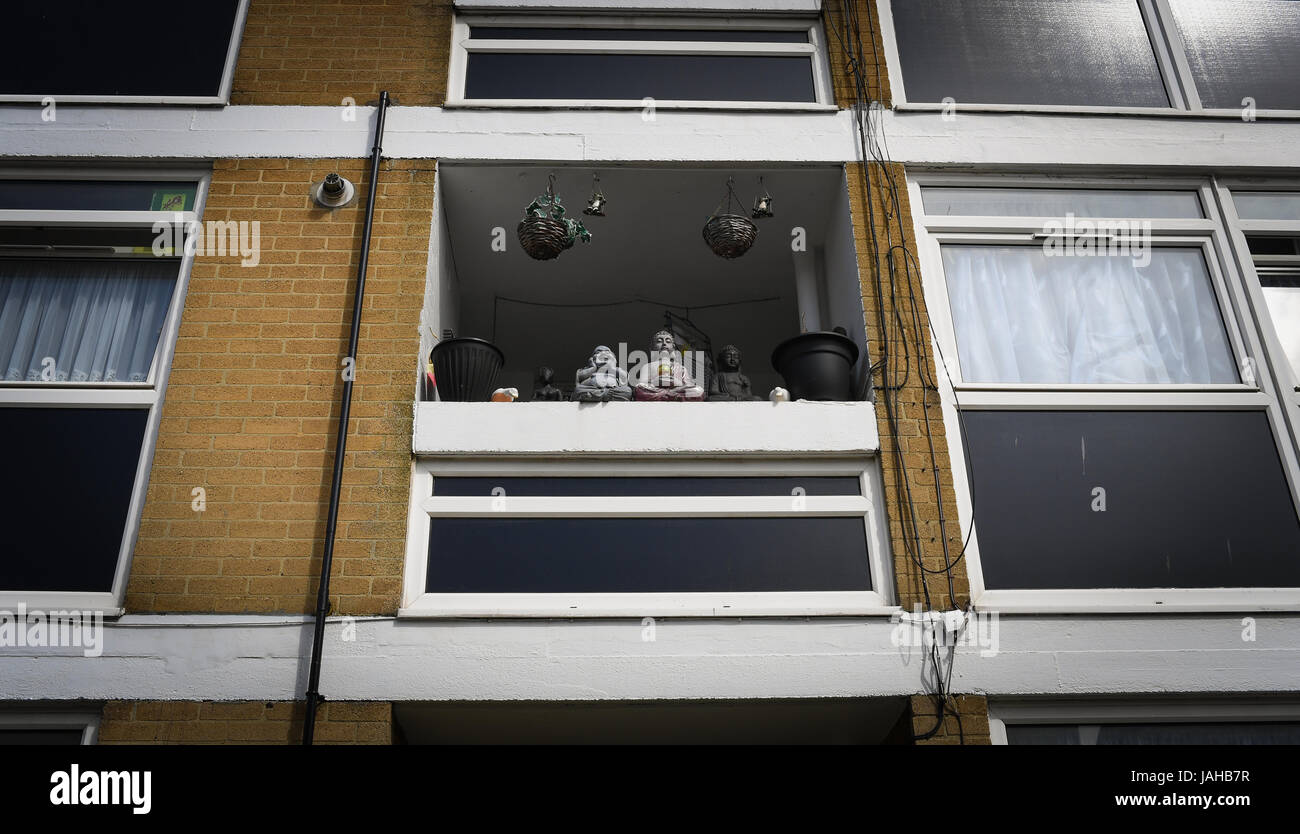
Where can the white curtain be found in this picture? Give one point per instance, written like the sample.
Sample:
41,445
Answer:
1022,315
98,320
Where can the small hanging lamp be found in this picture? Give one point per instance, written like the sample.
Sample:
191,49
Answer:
762,205
596,202
728,234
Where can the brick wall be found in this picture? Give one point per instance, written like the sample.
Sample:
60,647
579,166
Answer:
972,728
243,722
252,402
318,53
905,459
840,45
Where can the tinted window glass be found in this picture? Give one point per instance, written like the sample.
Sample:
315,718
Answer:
102,195
591,555
1088,52
65,495
646,486
1267,205
1057,202
34,737
93,48
594,77
1191,500
1242,49
1227,732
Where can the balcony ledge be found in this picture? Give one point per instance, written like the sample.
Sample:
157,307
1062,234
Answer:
448,429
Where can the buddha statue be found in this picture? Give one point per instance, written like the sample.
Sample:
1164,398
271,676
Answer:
728,383
602,380
544,389
664,377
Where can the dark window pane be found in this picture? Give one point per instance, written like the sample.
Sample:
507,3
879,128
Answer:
64,499
1227,732
1089,52
634,77
35,737
647,486
1266,245
586,34
1192,500
89,47
1243,48
102,195
590,555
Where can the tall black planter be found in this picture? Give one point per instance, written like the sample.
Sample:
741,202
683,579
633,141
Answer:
817,366
465,369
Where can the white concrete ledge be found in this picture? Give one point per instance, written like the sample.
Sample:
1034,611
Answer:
758,428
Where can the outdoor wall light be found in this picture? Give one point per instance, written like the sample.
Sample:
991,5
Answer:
596,202
333,192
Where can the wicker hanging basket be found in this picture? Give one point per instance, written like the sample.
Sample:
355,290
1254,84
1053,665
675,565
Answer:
543,238
730,235
545,232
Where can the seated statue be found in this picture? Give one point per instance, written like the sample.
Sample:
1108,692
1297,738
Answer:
728,382
665,378
602,380
543,388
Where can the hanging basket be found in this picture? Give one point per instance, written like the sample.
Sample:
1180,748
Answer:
544,238
730,235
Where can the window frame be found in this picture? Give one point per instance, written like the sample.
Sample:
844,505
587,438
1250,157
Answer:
1166,44
1222,258
1155,711
462,45
223,92
416,602
86,720
148,395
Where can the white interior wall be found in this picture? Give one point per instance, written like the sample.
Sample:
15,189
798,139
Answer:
844,302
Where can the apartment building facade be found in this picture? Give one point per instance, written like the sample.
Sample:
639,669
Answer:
1055,499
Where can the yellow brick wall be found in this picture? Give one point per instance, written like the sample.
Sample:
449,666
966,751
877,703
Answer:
971,728
841,45
295,52
243,722
252,403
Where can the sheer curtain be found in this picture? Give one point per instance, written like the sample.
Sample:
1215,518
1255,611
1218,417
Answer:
99,320
1024,316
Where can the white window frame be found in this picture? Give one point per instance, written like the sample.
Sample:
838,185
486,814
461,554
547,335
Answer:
416,602
148,395
1289,378
1153,711
222,96
84,720
462,45
1211,233
1171,61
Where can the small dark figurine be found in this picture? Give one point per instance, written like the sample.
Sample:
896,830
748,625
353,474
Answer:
602,380
543,389
729,384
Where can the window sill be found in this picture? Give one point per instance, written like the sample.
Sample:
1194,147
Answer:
1081,110
576,104
632,428
1139,601
826,604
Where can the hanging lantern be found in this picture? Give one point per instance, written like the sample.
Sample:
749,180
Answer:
762,205
545,232
596,202
728,234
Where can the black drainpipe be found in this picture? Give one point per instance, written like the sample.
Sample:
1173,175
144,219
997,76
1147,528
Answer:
340,444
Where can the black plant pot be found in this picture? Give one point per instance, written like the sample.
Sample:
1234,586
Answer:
817,366
465,369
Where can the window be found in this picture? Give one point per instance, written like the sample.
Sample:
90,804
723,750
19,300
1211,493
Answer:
88,316
1100,368
566,61
645,538
1152,721
1214,57
56,727
1270,221
85,51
